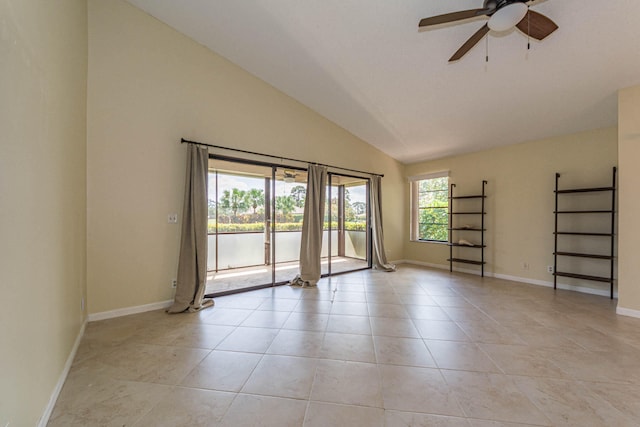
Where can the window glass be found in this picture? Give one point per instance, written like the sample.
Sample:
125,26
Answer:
431,213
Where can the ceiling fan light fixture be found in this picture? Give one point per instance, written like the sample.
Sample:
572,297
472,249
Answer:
508,16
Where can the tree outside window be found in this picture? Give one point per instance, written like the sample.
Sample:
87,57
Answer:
431,209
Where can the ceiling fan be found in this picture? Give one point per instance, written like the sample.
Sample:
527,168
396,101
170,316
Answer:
503,15
289,176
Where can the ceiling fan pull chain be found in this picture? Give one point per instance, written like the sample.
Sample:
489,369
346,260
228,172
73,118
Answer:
528,29
487,53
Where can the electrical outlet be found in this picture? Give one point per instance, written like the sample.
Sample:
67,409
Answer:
525,265
172,218
82,304
174,283
550,269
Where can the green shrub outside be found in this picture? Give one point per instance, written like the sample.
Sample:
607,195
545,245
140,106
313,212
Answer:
284,226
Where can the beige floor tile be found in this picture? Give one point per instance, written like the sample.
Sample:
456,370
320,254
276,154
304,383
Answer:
417,299
202,336
307,322
402,351
349,324
313,294
279,304
493,397
319,306
225,316
253,340
625,398
350,308
489,332
332,415
414,389
451,301
238,301
264,411
489,423
463,356
188,407
297,343
384,326
466,314
522,360
384,296
408,288
566,358
413,419
440,330
351,296
266,319
350,383
426,312
395,311
151,363
566,403
223,371
106,402
288,292
282,376
587,365
357,348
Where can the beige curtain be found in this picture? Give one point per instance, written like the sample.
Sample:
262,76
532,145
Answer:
379,256
312,224
192,263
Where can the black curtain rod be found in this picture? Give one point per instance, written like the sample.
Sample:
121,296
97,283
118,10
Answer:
182,141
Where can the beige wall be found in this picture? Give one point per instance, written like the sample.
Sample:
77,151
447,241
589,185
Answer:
629,235
148,87
520,201
43,71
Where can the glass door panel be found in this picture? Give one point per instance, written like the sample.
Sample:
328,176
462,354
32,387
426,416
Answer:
289,193
238,233
349,223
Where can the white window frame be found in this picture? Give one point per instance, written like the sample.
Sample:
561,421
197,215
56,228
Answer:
414,182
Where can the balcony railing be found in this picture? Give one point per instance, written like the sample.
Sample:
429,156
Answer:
247,249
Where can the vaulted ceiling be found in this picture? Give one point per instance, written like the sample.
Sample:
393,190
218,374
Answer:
366,66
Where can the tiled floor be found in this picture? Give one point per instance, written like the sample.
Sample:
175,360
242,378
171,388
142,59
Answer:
417,347
247,277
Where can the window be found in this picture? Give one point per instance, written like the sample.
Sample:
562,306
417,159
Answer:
430,207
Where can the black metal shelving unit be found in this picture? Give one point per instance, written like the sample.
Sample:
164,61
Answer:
455,227
610,236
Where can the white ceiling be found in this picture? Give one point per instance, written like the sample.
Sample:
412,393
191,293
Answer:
364,65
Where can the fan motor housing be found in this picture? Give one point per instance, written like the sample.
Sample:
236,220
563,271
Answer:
497,4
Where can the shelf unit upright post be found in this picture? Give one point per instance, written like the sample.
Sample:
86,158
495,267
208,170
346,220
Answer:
611,235
456,227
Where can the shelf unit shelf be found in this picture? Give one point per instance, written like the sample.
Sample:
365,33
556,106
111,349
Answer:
610,237
458,259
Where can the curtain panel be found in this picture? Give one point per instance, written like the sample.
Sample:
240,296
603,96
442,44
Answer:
192,261
379,255
312,225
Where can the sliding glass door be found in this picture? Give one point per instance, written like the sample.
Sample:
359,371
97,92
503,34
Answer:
290,189
238,237
255,224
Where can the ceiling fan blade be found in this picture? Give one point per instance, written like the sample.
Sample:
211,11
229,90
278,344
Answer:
454,16
473,40
536,25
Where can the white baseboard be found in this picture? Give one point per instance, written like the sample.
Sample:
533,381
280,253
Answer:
63,377
627,312
129,310
444,267
563,286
